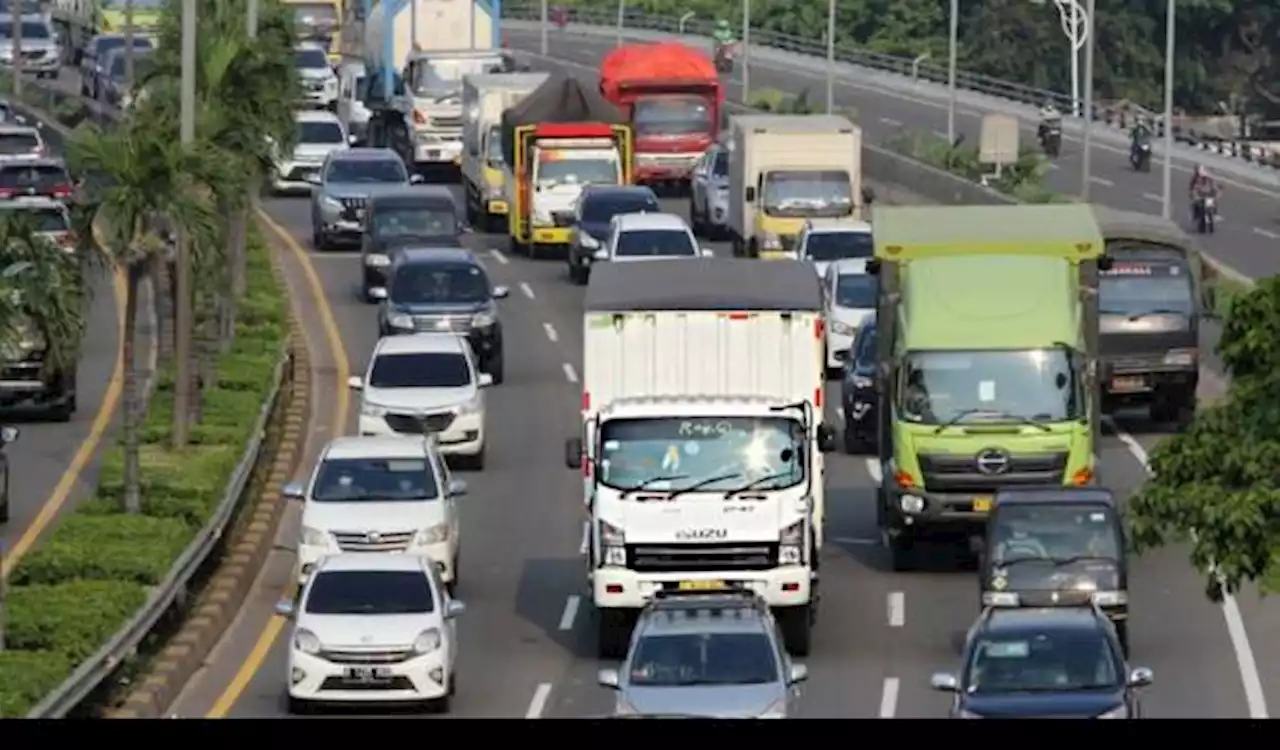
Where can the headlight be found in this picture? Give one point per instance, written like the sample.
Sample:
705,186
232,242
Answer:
587,241
1119,712
313,537
400,320
377,260
842,329
1180,357
791,544
612,542
330,204
484,319
473,406
911,503
372,410
771,241
330,85
306,641
1110,598
1000,599
427,641
437,534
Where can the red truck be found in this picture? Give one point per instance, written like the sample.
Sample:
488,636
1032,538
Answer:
671,95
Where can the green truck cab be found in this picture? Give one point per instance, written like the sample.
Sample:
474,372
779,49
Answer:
987,361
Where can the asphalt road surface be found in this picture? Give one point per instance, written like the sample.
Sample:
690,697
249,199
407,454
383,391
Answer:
528,638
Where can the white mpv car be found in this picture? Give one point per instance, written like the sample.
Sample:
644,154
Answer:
849,297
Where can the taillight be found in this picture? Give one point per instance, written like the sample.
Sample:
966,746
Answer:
61,191
419,118
6,193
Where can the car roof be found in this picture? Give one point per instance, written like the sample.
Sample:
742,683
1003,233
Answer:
414,194
849,266
702,613
425,255
616,191
363,561
421,343
1057,495
838,225
363,446
1015,620
365,154
314,115
649,221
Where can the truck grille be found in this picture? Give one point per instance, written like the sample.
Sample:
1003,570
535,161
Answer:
371,656
674,558
406,424
353,209
362,541
952,473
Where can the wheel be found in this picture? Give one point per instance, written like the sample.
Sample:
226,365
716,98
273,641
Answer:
496,369
797,628
902,551
614,632
578,274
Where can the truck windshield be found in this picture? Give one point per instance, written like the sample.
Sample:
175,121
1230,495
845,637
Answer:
1141,288
668,114
564,167
795,193
995,386
443,75
1054,532
763,452
493,147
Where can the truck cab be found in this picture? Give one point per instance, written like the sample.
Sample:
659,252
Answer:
484,99
987,338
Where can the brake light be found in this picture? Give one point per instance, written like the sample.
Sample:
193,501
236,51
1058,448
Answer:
7,193
61,191
1082,477
419,118
817,398
586,401
819,329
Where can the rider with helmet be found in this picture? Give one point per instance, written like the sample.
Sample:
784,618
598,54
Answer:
1050,121
723,33
1202,183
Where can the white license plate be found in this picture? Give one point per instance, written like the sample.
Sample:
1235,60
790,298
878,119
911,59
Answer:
368,674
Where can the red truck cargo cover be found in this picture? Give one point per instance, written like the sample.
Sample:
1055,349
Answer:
661,62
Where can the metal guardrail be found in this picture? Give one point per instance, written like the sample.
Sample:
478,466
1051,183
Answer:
94,671
1119,116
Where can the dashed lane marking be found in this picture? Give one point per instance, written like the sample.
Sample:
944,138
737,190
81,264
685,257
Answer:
539,702
526,289
897,609
1153,197
1266,233
570,612
498,256
889,698
1103,181
551,332
873,469
570,374
891,121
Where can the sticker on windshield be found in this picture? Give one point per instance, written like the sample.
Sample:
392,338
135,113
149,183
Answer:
1007,649
987,391
612,445
1098,517
691,448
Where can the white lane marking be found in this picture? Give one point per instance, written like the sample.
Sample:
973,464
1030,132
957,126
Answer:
897,609
498,256
334,254
1266,233
1102,181
586,538
1153,197
891,121
1247,666
570,612
570,373
551,332
528,290
873,468
889,698
1054,167
539,702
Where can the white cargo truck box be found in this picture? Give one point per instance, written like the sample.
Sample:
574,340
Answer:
442,25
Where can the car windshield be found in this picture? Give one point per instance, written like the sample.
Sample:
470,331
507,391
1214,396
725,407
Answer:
43,219
717,453
655,243
22,142
367,171
349,480
599,209
310,58
414,221
420,370
443,75
567,168
106,44
38,176
856,291
1054,532
721,166
493,147
30,30
672,114
439,283
370,592
1043,662
1139,288
141,65
990,387
828,246
792,193
320,132
688,659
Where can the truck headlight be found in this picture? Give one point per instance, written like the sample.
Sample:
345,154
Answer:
613,545
377,260
770,241
484,319
437,534
1180,357
400,320
313,537
911,503
791,544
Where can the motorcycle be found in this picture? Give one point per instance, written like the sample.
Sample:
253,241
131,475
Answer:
1206,214
1140,156
1051,140
724,57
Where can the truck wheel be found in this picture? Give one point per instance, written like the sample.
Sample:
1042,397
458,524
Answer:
614,633
797,628
577,274
902,552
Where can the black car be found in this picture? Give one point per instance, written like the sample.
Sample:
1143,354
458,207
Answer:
418,216
1060,662
93,57
858,390
7,435
46,178
1045,546
443,289
596,208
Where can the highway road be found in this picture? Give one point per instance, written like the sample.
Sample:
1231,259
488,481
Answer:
528,636
53,464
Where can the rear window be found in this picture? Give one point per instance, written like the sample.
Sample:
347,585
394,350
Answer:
602,208
424,370
370,592
46,219
19,143
42,177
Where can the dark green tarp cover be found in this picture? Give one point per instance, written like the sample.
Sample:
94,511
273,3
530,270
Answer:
559,99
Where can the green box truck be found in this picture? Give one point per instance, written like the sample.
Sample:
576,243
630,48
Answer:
988,330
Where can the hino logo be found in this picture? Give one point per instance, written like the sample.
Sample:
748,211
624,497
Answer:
702,535
992,461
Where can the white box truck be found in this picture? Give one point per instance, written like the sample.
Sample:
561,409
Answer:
785,169
702,441
484,98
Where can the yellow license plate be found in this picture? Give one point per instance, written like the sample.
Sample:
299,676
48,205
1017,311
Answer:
981,504
551,236
702,585
497,207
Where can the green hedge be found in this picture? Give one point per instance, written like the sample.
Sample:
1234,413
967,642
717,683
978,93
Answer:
92,571
1022,180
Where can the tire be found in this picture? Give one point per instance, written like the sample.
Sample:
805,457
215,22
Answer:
578,274
902,553
298,707
614,628
797,628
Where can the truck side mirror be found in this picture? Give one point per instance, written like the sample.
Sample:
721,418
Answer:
826,438
868,195
749,195
573,453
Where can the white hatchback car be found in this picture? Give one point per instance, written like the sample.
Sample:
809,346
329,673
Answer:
426,383
19,142
849,297
373,628
320,133
822,241
638,237
379,494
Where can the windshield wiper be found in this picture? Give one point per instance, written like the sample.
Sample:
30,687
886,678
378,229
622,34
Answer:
1056,562
645,484
755,483
703,483
1145,313
1029,421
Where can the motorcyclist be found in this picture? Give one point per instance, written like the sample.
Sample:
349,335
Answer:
1140,132
1050,119
723,33
1202,183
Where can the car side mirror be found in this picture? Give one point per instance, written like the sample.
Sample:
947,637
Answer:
485,380
8,435
454,609
352,139
799,673
501,292
415,179
868,195
944,683
608,678
457,488
284,608
826,438
377,292
313,180
749,195
706,252
355,383
1141,677
573,453
294,491
600,254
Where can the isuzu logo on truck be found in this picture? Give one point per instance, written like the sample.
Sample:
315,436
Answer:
702,535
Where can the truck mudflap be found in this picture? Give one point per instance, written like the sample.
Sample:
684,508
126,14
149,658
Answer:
621,588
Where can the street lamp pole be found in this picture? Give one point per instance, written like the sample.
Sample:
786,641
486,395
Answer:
746,51
1086,159
1170,43
1076,27
542,27
952,55
831,56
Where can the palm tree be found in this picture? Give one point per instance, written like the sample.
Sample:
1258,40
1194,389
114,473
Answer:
143,176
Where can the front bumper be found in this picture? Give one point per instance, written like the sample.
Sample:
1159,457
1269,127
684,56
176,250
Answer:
463,437
423,677
913,508
25,384
50,63
621,588
435,151
309,555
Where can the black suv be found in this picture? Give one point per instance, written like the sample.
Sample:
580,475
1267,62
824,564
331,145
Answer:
418,216
596,208
443,289
858,390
